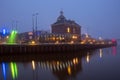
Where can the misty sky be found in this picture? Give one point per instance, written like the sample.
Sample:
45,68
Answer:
97,17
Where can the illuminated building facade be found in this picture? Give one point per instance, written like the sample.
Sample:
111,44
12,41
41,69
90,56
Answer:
64,26
27,37
56,38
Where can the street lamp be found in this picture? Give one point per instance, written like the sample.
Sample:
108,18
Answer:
33,24
36,23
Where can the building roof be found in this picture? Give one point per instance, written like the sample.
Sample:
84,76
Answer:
62,20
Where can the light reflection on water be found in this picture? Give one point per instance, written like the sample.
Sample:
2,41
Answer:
101,64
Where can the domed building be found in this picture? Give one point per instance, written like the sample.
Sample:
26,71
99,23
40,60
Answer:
64,26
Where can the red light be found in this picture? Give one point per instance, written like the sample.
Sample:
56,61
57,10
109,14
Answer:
113,40
114,50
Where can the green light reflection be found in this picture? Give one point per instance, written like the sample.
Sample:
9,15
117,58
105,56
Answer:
14,70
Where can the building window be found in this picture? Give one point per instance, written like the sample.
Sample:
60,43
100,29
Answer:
74,31
68,30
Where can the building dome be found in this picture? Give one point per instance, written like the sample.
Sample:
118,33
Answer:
61,17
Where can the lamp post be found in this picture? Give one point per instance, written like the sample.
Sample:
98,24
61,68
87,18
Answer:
36,26
33,26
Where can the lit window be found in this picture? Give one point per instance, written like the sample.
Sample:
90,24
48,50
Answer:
68,30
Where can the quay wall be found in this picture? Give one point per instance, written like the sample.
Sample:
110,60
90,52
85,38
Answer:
48,48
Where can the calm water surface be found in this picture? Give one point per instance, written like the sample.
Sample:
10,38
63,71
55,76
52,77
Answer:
101,64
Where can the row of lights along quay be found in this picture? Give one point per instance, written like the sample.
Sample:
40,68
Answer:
65,36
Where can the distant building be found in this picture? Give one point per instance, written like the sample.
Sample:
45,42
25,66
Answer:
64,26
26,37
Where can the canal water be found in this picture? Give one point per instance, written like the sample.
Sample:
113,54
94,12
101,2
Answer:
101,64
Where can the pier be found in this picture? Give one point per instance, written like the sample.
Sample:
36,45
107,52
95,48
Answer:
18,49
